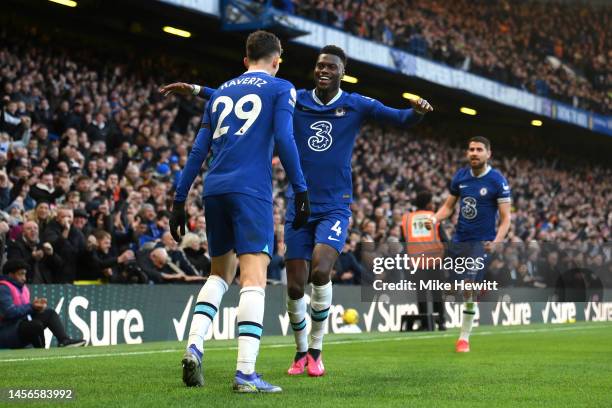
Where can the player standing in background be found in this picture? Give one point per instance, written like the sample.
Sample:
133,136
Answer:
327,121
482,193
243,121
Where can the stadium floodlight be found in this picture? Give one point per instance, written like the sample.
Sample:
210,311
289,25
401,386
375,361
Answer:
536,122
69,3
350,79
410,96
468,111
177,31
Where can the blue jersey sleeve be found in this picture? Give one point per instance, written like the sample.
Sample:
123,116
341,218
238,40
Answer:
454,185
283,136
503,193
196,158
376,110
206,92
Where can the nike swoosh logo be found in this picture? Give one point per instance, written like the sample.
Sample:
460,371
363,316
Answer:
181,325
332,238
462,186
506,187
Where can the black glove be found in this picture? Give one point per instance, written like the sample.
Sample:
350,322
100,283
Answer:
302,210
178,221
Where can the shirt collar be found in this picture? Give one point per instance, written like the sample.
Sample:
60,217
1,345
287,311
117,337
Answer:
256,70
333,100
484,173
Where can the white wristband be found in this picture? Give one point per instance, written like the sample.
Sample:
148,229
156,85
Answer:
433,219
196,89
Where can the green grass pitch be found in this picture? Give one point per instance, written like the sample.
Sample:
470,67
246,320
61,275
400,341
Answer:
540,365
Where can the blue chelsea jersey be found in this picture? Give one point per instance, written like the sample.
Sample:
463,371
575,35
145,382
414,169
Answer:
478,203
325,135
244,119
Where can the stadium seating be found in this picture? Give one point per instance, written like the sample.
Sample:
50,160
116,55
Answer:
89,120
516,42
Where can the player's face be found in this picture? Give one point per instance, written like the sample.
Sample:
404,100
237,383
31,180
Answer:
328,72
478,154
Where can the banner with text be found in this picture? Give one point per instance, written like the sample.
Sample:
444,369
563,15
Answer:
133,314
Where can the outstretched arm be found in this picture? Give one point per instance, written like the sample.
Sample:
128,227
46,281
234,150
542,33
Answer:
183,88
400,117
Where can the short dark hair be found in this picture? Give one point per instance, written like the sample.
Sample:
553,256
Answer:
262,44
334,50
13,265
164,213
480,139
422,199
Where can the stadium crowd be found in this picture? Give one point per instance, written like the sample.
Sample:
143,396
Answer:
90,153
520,43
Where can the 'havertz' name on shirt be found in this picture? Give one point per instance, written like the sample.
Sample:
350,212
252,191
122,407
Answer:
258,82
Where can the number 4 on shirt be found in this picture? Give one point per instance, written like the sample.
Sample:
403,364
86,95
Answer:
336,228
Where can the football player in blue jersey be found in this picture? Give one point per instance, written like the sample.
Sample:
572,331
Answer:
244,120
482,193
327,121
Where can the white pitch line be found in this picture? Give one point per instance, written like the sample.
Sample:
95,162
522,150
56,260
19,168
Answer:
273,346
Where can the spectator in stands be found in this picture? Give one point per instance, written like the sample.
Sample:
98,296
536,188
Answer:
23,321
67,241
176,255
347,268
101,263
44,265
41,215
81,222
160,269
550,270
154,224
45,190
196,252
200,227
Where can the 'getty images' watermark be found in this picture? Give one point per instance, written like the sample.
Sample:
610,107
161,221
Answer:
412,264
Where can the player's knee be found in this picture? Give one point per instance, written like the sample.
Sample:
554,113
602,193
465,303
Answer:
321,273
295,290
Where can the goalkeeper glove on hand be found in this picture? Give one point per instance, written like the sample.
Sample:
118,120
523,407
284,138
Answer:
302,210
178,221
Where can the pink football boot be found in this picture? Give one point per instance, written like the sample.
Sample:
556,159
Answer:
462,346
315,367
297,367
